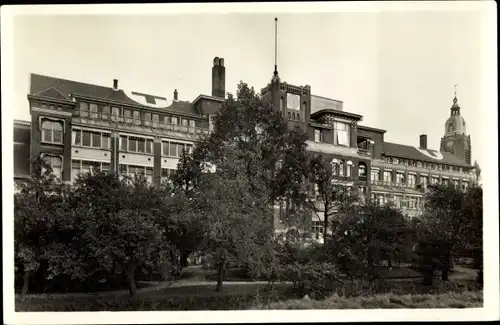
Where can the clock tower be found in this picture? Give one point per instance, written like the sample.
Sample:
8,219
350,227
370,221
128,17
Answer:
455,140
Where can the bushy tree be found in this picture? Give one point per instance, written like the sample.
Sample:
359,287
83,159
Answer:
270,152
234,219
119,224
452,223
363,237
38,207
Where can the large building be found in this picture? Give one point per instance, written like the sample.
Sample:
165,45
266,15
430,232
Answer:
79,127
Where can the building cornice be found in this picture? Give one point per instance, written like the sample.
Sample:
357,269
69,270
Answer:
50,99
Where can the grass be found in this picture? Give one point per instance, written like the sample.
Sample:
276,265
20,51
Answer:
240,296
467,299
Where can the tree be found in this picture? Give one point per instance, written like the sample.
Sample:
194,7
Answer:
364,236
331,190
119,223
234,218
270,151
37,206
452,223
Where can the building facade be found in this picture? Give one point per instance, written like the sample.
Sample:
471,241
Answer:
79,127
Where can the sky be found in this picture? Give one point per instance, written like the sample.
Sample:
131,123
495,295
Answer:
397,69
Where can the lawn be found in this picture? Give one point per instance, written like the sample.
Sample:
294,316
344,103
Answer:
195,290
467,299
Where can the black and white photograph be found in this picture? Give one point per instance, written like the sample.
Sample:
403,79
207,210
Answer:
250,162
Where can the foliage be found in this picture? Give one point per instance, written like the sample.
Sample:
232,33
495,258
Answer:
246,129
234,221
452,224
366,236
334,195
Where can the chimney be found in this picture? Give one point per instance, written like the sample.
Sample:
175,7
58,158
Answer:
423,141
218,78
175,94
115,84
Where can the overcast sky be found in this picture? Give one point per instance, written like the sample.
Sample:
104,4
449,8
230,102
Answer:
397,69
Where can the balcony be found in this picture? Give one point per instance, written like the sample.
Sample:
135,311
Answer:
394,184
364,152
130,121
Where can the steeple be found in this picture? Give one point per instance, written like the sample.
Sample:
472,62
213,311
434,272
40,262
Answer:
455,108
275,74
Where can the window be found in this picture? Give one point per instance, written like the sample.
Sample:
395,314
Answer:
149,175
84,109
93,111
149,146
435,180
335,167
412,179
94,139
137,117
128,115
147,118
156,119
141,145
374,175
123,142
465,185
388,176
289,115
424,180
341,168
317,228
86,138
132,144
55,162
341,134
173,150
450,127
52,131
82,167
106,141
105,112
349,169
400,178
167,174
174,120
115,111
317,135
362,169
165,150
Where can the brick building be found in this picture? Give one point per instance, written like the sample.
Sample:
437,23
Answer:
80,127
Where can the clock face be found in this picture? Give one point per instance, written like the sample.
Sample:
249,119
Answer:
293,101
449,144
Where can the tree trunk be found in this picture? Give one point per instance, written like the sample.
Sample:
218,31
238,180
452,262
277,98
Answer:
184,259
26,282
444,274
220,275
132,285
428,276
325,224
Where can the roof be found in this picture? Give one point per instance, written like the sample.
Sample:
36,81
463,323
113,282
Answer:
369,128
335,112
410,152
62,89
